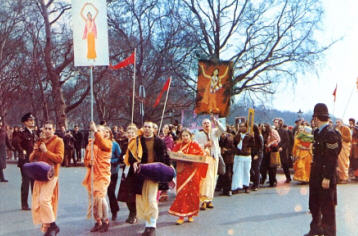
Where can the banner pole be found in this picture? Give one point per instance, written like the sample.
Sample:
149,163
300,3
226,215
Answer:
134,72
92,138
165,104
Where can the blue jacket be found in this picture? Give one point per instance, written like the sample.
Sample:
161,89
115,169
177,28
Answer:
115,159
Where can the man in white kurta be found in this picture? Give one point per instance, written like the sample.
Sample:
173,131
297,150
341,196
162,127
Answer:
208,138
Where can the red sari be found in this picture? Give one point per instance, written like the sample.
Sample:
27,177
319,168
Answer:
189,175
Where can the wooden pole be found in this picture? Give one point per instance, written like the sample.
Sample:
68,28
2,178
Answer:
134,75
92,137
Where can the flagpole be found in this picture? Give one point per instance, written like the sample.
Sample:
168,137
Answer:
165,104
134,72
334,107
349,100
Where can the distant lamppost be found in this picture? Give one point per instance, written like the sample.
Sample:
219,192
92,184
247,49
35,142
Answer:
171,115
299,113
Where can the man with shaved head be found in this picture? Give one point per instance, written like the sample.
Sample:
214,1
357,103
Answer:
208,139
343,157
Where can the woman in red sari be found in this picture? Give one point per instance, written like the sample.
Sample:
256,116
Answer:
189,175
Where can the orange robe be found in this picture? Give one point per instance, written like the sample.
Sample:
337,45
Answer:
102,151
90,34
45,194
343,157
189,176
303,159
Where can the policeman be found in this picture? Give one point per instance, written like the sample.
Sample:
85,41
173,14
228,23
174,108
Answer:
322,186
24,144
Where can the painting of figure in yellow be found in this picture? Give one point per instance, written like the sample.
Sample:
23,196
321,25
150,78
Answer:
214,88
90,30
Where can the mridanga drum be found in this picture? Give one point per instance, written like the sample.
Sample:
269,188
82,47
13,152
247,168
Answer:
39,170
157,172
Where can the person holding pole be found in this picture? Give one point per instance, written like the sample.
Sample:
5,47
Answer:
100,175
208,139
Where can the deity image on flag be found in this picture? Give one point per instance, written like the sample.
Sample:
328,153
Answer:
214,88
90,31
90,34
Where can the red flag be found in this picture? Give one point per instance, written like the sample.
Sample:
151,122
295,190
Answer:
335,93
128,61
165,88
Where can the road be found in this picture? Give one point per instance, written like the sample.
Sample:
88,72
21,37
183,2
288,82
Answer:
270,211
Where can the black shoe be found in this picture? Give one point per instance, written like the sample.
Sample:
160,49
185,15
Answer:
96,227
53,230
114,216
288,181
26,208
4,180
131,220
313,234
149,231
104,227
235,191
229,194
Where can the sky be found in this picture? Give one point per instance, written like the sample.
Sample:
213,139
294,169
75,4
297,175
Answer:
339,66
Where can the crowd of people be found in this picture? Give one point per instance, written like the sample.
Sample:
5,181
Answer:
237,160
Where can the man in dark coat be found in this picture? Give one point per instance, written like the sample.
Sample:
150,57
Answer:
228,150
69,142
4,141
284,147
78,142
323,184
24,144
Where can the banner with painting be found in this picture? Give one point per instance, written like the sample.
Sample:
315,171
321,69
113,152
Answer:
214,88
90,33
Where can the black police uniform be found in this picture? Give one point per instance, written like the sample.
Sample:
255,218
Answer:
322,202
25,142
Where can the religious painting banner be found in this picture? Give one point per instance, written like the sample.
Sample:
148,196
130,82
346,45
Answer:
90,33
214,88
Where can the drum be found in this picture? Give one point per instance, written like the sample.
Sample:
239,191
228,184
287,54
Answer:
39,170
157,172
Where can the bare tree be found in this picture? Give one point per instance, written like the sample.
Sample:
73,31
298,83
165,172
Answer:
268,41
12,47
164,49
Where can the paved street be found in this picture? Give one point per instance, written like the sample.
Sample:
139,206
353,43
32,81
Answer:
270,211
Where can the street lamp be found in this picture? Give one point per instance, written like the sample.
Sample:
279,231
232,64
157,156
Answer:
299,113
170,114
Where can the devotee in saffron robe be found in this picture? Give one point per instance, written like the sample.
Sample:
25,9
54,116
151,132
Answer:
102,152
50,149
